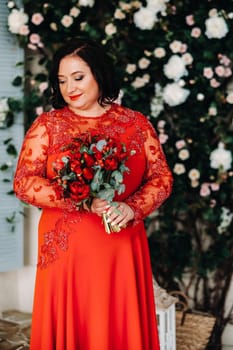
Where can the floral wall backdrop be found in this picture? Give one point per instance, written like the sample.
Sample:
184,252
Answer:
174,59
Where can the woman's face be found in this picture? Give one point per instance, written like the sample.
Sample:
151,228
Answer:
78,86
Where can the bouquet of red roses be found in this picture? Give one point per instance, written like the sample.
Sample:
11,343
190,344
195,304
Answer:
91,166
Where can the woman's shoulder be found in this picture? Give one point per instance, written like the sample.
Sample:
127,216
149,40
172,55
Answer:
47,116
135,116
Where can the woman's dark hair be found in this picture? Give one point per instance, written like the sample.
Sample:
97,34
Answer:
99,62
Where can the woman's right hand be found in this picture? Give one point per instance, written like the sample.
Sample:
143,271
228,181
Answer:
99,206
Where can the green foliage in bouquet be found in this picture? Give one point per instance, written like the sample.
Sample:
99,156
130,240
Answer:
174,59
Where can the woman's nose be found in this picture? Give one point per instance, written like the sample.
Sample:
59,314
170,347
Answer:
71,86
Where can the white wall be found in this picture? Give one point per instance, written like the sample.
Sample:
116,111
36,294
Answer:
17,287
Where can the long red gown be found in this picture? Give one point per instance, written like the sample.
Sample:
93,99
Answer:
93,290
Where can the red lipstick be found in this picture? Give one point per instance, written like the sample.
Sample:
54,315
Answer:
74,97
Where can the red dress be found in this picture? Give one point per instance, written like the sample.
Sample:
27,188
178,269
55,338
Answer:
93,290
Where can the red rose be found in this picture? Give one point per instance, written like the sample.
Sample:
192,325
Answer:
88,173
111,163
79,191
76,155
89,160
75,166
97,154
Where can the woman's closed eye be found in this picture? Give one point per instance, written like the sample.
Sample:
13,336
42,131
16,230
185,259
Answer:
79,78
63,81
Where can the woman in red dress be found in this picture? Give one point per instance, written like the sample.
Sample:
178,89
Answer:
93,290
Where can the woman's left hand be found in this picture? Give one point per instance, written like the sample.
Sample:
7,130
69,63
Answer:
120,215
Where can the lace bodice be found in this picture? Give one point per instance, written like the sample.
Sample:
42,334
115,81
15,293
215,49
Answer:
148,183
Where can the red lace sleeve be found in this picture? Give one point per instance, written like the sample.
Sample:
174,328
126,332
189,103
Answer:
30,182
157,182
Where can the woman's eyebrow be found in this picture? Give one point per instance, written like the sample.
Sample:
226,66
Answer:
73,73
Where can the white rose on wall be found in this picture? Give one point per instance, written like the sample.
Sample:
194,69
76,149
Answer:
85,3
226,218
175,68
5,113
144,18
194,174
16,19
157,5
220,158
179,169
174,95
67,21
216,27
143,63
110,29
4,107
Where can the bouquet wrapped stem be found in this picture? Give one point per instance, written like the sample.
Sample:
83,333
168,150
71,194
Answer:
109,228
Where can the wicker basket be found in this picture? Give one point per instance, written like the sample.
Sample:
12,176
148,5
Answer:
193,329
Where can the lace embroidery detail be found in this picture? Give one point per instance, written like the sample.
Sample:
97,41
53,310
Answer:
56,241
63,125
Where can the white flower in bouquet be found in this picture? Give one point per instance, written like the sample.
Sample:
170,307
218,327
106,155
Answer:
225,218
220,158
16,19
86,3
174,95
216,27
144,18
175,68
